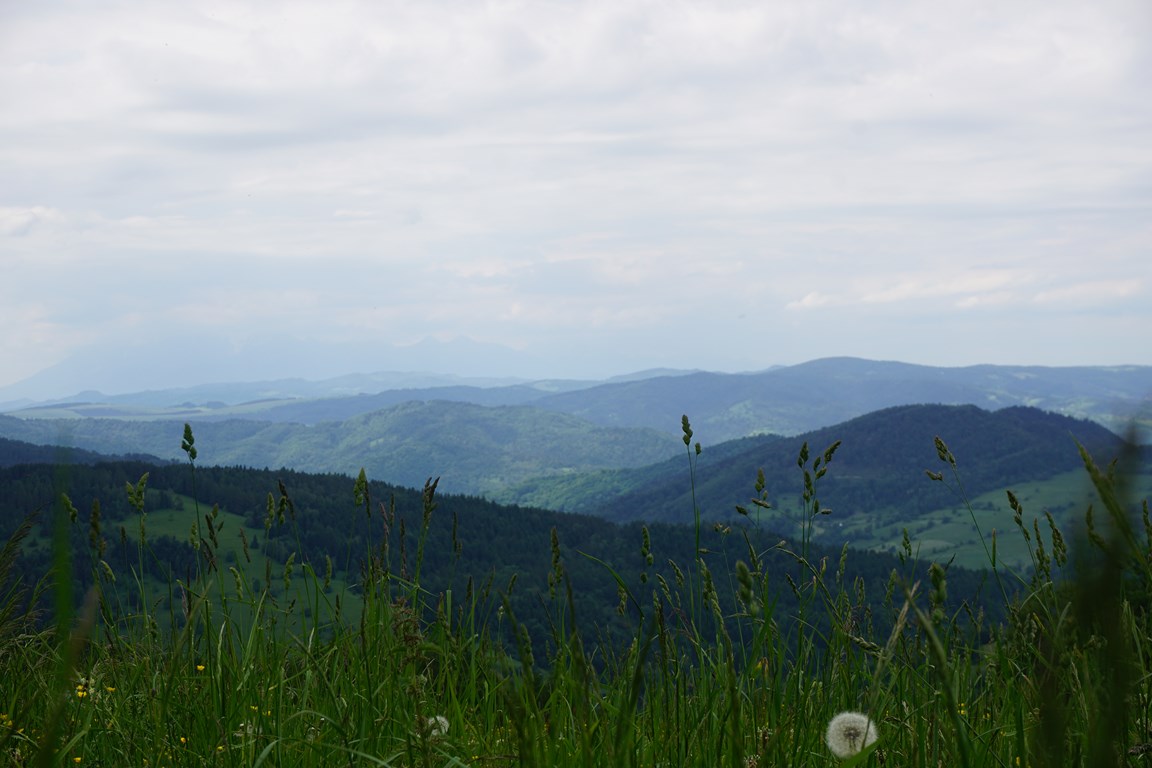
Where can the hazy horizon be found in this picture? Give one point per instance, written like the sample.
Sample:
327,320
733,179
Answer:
62,381
199,192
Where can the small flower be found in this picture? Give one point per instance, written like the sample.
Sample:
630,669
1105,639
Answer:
437,726
849,733
199,667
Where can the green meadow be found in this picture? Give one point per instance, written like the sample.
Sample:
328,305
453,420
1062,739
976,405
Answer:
954,532
261,662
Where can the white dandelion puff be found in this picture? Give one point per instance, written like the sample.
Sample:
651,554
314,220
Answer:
437,726
849,733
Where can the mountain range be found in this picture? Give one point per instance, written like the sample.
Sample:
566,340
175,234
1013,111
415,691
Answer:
537,442
786,400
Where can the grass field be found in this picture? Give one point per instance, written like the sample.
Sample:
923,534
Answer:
417,680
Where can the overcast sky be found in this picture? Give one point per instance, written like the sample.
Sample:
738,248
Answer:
581,188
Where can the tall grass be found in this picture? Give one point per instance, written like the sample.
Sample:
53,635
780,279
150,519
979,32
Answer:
713,673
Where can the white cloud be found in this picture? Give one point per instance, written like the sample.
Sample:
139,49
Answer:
18,222
945,283
1091,293
812,300
991,299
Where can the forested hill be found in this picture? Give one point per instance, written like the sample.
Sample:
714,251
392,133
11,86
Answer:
531,457
471,545
879,465
13,452
474,449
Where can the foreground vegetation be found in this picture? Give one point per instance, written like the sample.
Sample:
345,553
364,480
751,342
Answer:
712,662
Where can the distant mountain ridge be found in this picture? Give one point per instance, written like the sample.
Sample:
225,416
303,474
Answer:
795,399
221,394
786,400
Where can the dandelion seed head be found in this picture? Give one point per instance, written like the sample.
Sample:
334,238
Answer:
437,726
849,733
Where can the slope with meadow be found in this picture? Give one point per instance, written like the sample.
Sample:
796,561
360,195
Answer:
880,483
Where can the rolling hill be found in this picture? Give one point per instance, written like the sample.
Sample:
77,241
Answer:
474,449
460,545
877,472
875,487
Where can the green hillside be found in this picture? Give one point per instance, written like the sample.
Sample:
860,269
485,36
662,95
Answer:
877,485
879,464
474,449
259,522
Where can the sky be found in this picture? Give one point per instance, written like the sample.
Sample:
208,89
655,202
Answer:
199,191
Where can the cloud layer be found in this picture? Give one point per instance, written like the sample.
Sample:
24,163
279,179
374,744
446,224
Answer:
606,186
